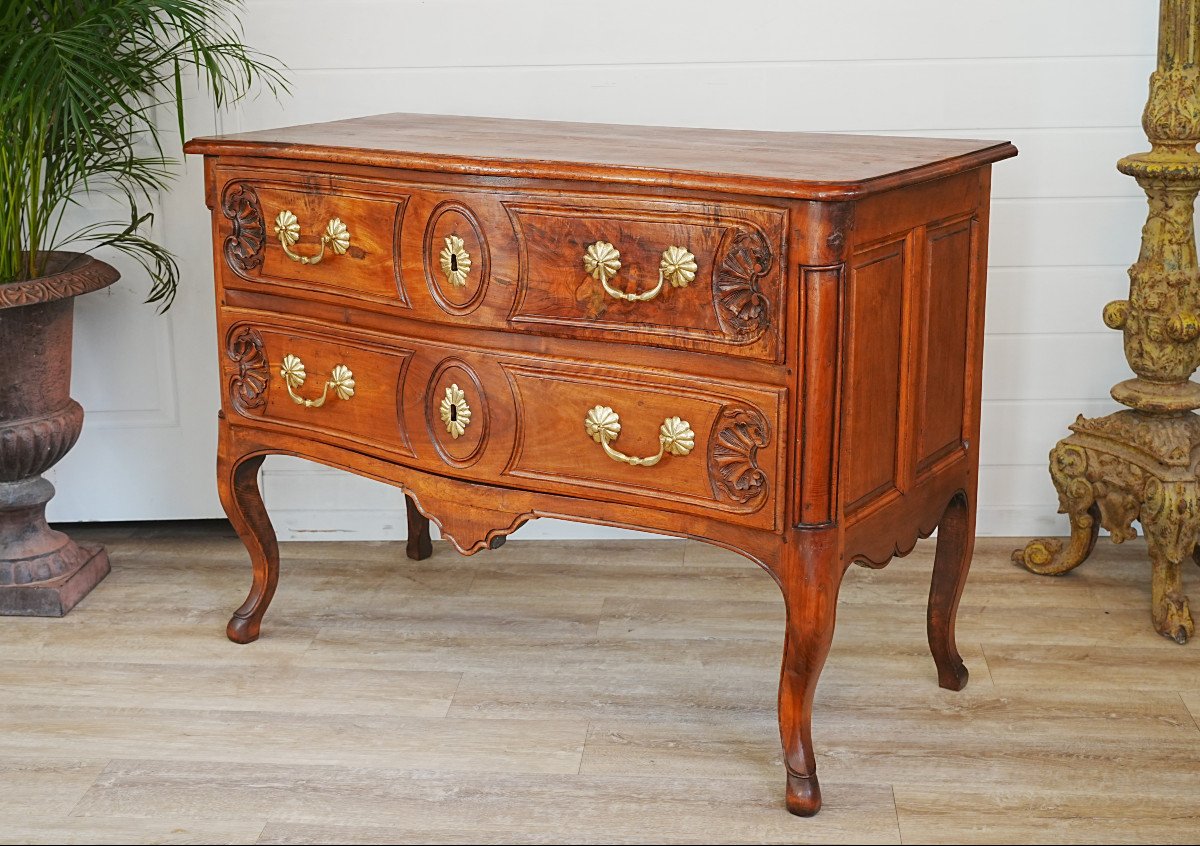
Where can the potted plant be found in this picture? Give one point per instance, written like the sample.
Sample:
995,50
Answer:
81,83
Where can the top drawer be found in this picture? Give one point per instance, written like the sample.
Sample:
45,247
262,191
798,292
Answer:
705,276
315,235
702,275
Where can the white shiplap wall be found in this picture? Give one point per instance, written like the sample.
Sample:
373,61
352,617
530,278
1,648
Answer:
1064,79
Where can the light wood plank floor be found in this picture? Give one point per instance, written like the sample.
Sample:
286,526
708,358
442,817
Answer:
585,692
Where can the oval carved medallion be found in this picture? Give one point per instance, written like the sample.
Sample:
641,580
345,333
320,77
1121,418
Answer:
456,258
456,413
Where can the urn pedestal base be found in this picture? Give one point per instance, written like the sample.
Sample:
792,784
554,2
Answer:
43,573
1124,467
55,597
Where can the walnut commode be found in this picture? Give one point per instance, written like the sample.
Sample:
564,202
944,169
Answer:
767,341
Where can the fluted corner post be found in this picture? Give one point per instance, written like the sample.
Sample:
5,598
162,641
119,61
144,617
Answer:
1144,464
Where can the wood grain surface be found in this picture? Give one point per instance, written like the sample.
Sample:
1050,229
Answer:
473,699
802,165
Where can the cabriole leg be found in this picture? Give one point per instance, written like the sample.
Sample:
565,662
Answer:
810,575
237,479
952,560
420,546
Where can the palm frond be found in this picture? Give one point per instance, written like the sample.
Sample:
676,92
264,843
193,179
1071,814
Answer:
81,83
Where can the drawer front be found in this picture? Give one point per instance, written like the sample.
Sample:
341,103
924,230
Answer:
337,236
541,423
324,384
681,273
704,276
645,437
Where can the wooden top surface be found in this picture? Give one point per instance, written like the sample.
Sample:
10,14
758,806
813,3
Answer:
782,164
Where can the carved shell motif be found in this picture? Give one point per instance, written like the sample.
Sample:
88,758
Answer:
248,389
244,247
733,454
742,307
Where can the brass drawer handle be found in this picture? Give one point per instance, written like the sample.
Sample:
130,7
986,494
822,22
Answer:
287,229
602,260
675,436
340,379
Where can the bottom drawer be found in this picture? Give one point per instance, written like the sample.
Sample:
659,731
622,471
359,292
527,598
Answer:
539,423
321,383
645,435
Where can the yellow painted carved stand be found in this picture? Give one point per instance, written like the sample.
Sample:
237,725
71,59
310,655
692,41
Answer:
1142,464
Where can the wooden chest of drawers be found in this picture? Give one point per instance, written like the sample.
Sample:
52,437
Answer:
767,341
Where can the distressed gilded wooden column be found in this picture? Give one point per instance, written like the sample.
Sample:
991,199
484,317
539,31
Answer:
1141,464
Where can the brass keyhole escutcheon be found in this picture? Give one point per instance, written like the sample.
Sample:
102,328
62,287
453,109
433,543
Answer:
455,261
454,411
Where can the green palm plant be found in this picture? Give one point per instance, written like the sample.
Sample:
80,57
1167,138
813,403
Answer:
81,86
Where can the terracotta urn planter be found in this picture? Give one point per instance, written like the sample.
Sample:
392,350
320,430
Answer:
42,571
